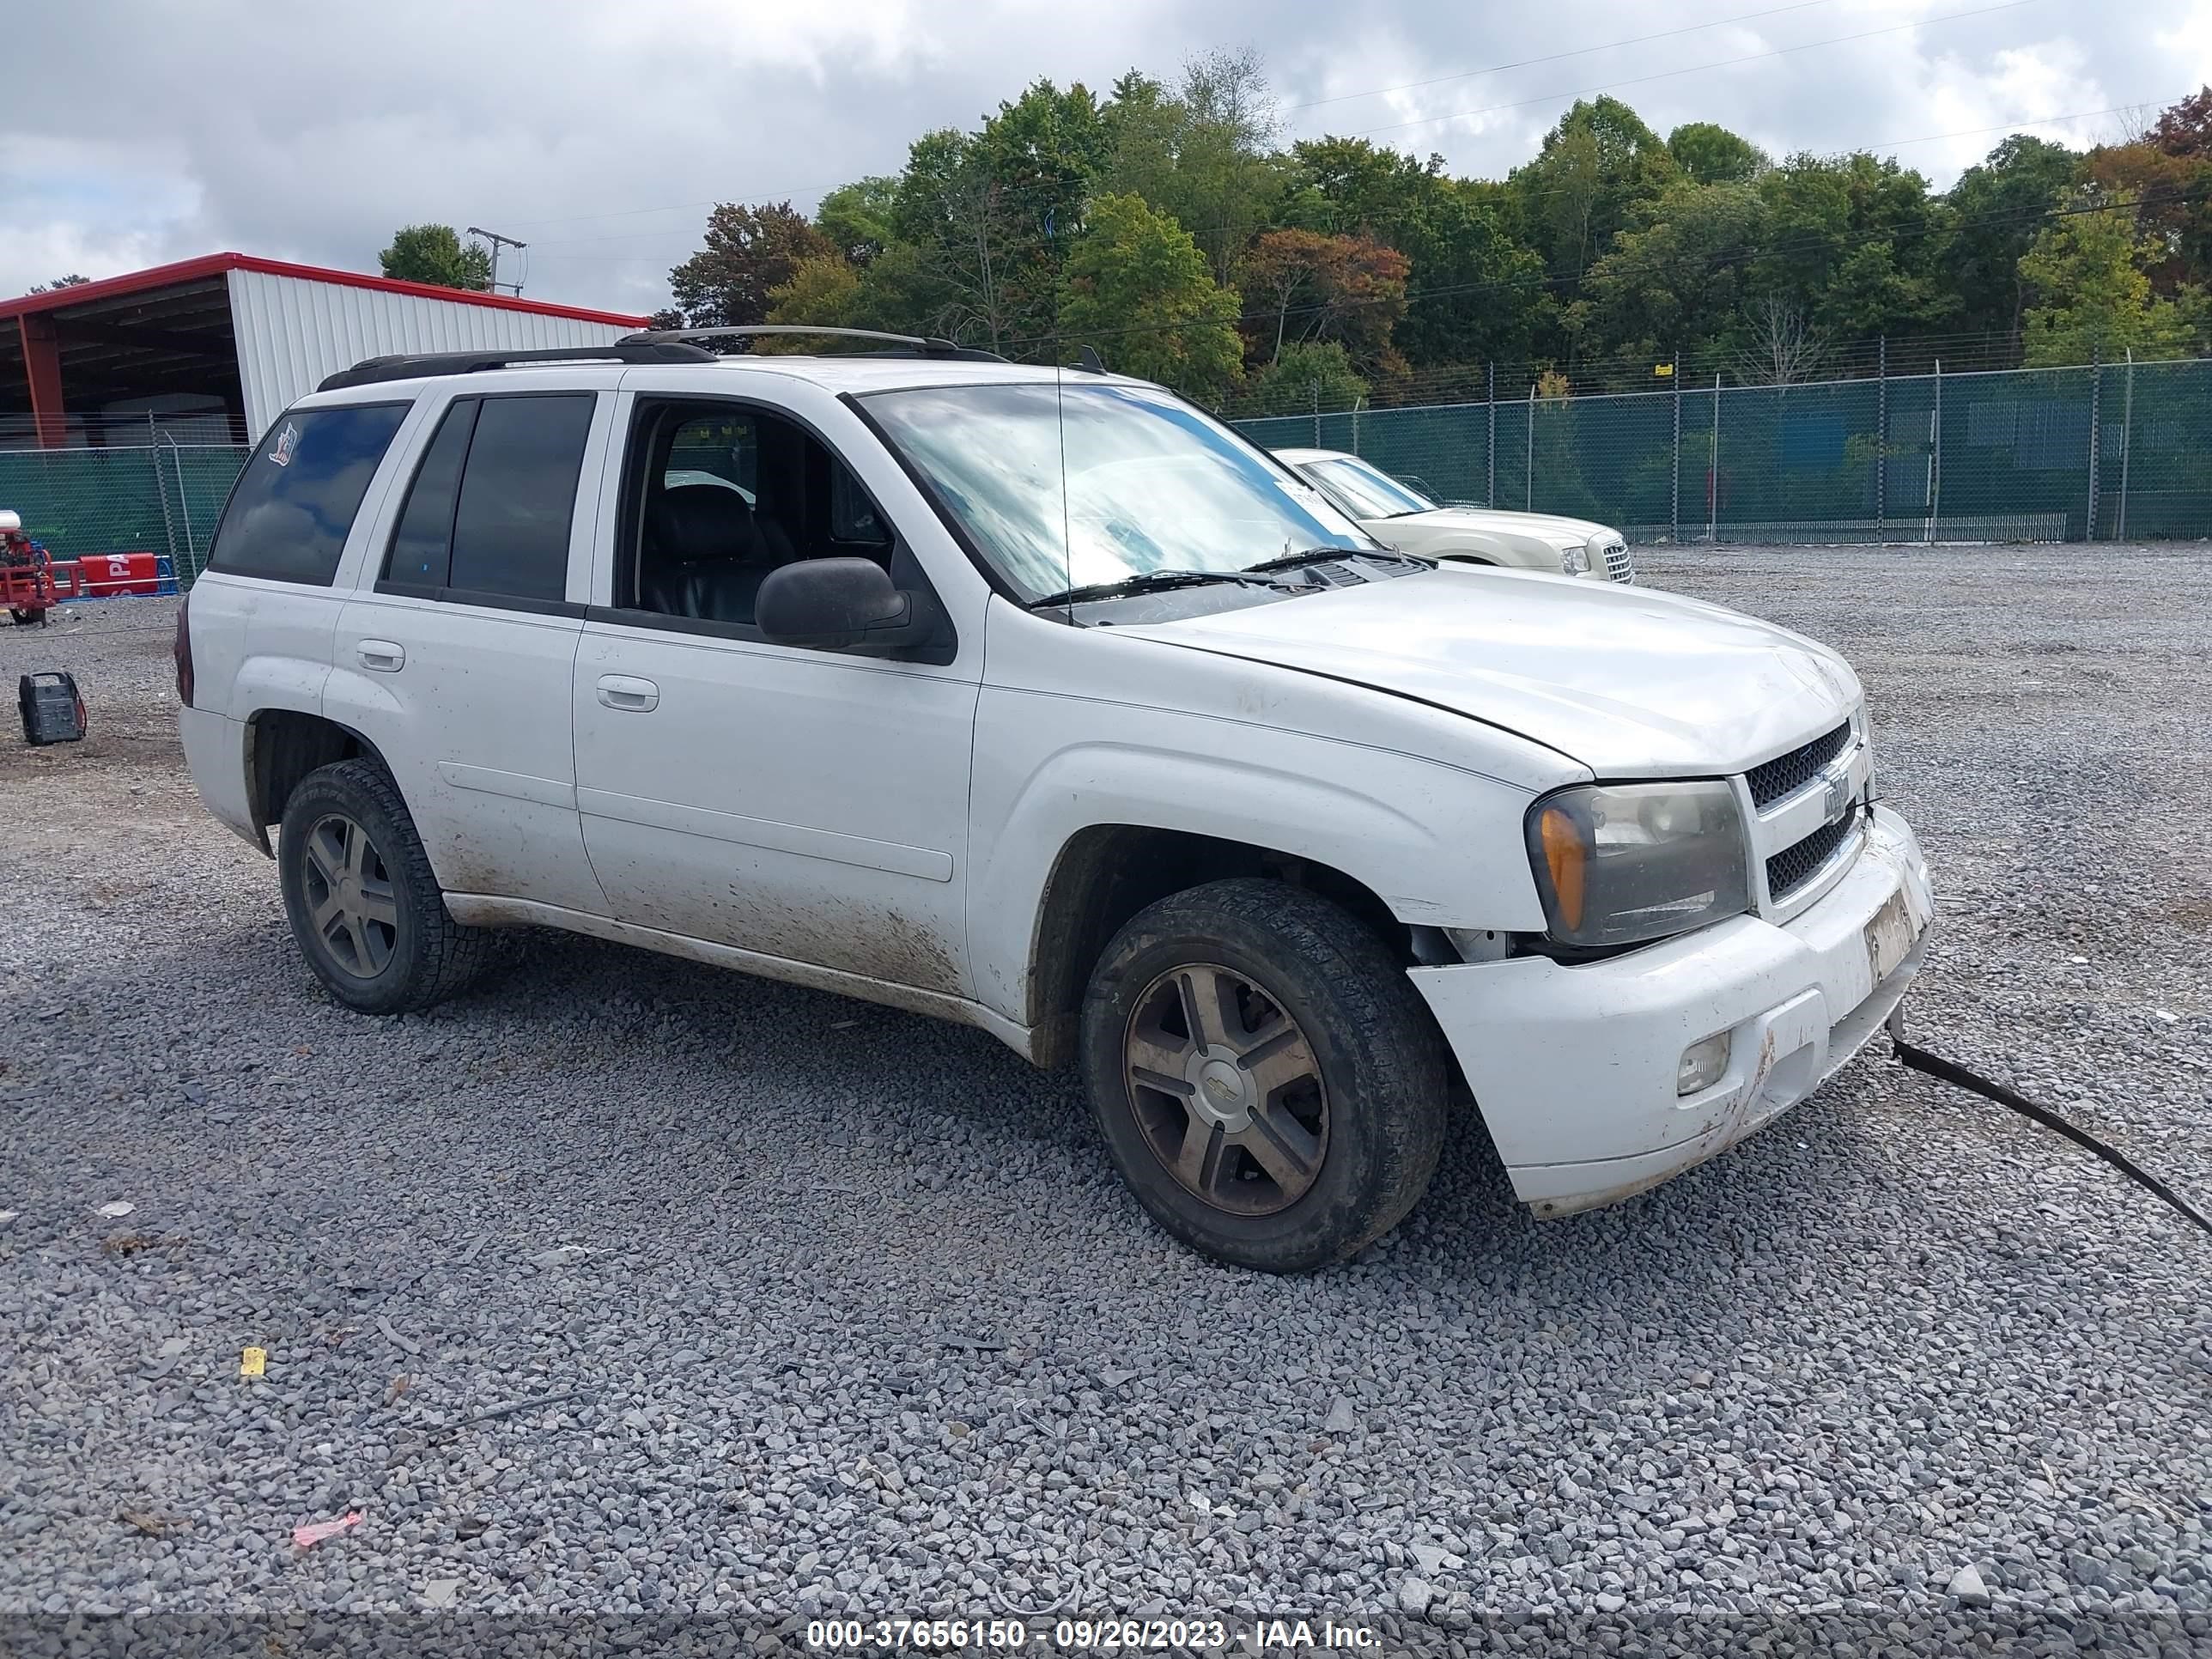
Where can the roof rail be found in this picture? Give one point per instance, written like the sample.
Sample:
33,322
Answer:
636,349
915,344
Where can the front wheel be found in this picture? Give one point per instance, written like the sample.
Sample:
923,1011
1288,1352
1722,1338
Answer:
1268,1080
27,618
364,905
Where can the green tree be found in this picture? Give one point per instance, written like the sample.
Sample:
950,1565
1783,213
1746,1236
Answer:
1317,377
436,254
1709,154
1598,169
1138,290
1997,207
1856,243
750,252
1678,285
1204,154
2092,295
823,289
71,280
857,218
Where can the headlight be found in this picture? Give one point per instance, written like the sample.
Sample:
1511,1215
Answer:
1574,561
1621,863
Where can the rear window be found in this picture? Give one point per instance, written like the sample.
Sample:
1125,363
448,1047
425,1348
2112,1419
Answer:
291,509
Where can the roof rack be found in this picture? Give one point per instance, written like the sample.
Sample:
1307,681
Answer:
916,345
640,349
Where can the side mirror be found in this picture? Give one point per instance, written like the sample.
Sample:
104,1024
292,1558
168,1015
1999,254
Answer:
843,605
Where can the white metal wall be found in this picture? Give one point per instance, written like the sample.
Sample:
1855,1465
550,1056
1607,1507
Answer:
292,331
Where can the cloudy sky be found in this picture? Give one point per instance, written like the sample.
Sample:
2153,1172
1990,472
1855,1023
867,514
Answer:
134,134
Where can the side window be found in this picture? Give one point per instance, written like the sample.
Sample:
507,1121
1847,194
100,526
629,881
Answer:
422,543
291,509
518,496
720,495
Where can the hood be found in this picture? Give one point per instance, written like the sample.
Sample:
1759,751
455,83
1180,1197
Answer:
1492,521
1629,682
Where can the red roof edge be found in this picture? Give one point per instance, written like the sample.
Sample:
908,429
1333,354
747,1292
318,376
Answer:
212,265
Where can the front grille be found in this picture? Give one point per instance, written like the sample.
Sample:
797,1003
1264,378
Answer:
1786,774
1793,866
1619,562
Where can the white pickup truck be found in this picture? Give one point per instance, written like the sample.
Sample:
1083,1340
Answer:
1041,700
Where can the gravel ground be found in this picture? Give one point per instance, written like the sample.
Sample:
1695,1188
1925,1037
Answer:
625,1288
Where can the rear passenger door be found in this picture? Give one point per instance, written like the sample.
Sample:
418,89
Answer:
454,656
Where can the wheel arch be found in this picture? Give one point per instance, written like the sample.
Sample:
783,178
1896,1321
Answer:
282,747
1106,873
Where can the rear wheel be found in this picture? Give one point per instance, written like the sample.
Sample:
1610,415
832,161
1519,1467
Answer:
26,618
363,903
1268,1080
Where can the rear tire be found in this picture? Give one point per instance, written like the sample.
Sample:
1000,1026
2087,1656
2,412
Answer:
364,906
1268,1080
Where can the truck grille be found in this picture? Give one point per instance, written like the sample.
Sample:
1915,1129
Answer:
1619,562
1786,774
1793,866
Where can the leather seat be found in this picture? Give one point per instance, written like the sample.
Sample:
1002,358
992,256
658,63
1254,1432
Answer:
704,555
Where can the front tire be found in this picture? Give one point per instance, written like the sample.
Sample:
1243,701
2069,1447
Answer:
1268,1080
364,906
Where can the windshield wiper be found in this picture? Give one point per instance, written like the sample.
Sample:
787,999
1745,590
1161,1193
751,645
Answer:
1323,554
1148,581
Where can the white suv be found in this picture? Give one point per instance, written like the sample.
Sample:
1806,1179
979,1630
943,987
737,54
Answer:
1041,700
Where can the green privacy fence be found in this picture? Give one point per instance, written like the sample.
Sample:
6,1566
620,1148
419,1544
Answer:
2116,451
2111,451
163,498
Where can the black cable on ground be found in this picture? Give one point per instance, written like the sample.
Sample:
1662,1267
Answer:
1959,1077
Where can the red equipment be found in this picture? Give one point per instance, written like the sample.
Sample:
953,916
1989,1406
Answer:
26,574
104,575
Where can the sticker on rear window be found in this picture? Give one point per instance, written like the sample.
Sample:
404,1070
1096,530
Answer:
280,451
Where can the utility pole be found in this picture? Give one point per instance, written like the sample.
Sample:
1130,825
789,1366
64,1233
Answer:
498,242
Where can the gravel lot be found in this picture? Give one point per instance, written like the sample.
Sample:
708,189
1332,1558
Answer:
628,1288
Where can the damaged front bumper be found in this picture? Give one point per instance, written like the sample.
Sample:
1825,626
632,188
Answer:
1575,1067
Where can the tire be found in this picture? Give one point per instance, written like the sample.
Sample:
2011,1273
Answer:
1334,1113
26,618
384,944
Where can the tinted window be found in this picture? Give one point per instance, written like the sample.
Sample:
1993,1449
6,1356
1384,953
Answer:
422,543
518,494
292,507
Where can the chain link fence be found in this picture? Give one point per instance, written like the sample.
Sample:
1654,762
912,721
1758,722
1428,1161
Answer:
163,498
2111,451
2101,452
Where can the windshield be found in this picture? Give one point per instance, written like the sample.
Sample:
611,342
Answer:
1364,492
1150,484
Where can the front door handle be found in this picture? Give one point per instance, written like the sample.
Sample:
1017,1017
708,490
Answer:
382,655
629,694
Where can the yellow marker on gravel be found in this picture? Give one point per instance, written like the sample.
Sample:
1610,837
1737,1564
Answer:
254,1362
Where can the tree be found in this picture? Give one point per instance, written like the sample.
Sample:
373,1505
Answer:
750,252
1857,242
1997,207
2184,130
1475,290
857,217
1137,289
2092,296
1349,289
1781,346
1597,169
1677,287
1711,155
1303,378
823,289
1202,154
71,280
437,255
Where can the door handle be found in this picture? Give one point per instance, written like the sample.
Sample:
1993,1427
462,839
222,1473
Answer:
382,655
629,694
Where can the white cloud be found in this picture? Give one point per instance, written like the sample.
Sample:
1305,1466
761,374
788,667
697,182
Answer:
311,132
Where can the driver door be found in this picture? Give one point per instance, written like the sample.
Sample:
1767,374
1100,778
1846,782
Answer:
810,806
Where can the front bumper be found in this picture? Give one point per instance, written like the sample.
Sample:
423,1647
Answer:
1574,1067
